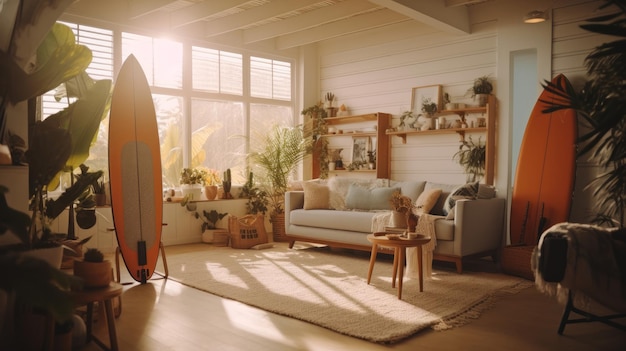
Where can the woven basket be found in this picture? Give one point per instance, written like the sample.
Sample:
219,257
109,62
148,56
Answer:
247,231
278,227
516,261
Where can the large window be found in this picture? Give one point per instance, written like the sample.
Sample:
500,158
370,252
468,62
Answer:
206,114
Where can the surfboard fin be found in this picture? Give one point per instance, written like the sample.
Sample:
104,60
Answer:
542,223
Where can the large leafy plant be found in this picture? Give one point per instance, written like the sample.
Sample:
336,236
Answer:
279,153
601,103
61,142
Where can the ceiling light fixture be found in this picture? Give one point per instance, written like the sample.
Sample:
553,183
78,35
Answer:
535,16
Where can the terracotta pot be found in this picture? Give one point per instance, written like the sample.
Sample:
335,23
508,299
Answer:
94,274
210,192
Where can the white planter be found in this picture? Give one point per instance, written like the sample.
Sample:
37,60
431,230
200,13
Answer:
193,190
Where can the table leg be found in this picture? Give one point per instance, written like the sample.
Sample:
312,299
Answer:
372,260
400,271
420,267
111,324
89,322
395,267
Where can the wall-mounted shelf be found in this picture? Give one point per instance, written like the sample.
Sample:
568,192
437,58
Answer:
461,131
354,126
488,111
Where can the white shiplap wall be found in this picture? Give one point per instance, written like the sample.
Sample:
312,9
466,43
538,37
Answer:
375,71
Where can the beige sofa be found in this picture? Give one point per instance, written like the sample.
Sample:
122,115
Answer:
473,227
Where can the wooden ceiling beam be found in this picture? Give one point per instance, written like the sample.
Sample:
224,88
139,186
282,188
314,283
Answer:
202,10
433,13
335,29
258,14
307,20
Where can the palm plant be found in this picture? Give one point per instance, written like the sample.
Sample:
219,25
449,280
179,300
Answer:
601,103
280,152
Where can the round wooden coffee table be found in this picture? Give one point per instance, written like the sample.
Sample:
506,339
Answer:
399,245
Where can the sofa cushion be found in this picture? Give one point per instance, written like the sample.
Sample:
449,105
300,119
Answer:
465,191
444,229
426,200
316,196
339,189
354,221
446,189
412,189
360,198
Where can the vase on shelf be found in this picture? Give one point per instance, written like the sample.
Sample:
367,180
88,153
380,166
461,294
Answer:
398,219
210,192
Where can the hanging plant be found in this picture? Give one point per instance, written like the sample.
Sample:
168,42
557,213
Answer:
471,156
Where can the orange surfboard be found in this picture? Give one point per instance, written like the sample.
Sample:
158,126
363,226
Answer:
544,179
135,171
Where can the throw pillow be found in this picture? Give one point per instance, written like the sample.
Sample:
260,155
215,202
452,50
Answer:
465,191
427,200
316,196
486,191
380,198
357,198
361,198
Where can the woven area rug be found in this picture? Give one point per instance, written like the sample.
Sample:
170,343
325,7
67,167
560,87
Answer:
330,289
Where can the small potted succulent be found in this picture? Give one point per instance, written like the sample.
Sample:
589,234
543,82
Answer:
94,270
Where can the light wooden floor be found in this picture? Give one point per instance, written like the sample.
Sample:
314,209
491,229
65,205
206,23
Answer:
165,315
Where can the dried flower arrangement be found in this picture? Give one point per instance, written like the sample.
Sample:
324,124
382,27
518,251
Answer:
401,203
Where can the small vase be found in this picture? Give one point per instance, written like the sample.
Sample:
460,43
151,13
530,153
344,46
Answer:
398,219
331,166
210,192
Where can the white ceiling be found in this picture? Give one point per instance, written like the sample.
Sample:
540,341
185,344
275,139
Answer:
283,23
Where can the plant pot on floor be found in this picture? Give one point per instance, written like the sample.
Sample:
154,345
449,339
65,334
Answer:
94,274
278,227
217,236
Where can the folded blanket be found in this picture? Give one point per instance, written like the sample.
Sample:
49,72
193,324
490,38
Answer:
595,267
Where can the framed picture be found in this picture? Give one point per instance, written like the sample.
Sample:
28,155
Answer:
360,147
421,94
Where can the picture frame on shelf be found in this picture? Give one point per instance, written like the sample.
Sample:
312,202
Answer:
420,94
360,147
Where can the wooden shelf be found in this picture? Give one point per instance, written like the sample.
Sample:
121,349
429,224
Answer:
461,131
354,128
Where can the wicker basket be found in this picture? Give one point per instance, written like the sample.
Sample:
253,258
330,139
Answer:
247,231
516,261
278,227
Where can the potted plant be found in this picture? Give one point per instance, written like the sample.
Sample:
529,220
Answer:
210,232
407,120
211,181
191,182
471,156
401,206
371,159
71,131
332,110
601,104
227,183
481,89
100,192
257,198
336,160
277,156
93,269
315,129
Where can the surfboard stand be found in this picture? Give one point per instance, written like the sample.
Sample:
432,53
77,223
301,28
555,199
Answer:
163,257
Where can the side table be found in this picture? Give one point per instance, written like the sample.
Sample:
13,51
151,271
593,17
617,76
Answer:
399,246
106,295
